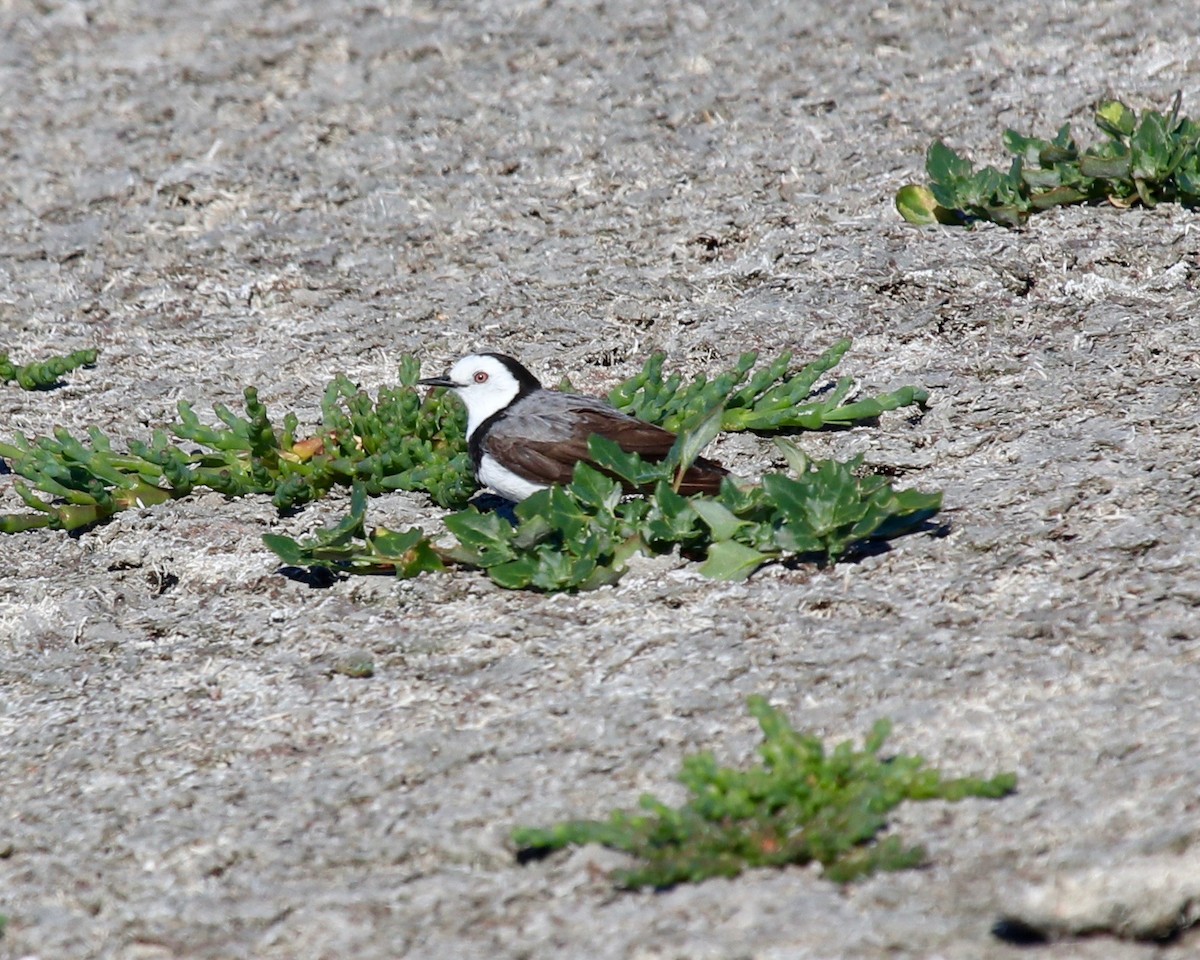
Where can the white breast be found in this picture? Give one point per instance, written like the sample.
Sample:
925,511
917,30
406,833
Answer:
504,481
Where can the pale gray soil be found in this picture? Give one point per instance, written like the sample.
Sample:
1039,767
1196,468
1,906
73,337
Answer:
270,194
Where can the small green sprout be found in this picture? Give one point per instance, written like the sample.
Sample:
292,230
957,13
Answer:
1151,160
355,664
802,804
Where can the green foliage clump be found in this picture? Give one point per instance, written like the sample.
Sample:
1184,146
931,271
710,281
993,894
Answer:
349,548
1151,160
45,374
580,535
802,804
772,398
398,441
571,537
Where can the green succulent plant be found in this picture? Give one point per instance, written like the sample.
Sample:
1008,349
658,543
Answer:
44,374
802,803
576,536
1149,160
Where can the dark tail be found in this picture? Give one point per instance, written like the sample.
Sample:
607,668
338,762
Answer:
703,476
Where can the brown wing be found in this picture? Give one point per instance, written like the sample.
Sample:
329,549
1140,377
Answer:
540,447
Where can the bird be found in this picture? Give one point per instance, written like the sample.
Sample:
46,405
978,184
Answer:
523,438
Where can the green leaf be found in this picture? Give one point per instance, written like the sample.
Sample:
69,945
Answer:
1151,152
569,518
561,571
485,536
790,495
392,543
723,523
817,510
594,488
944,166
766,377
917,205
946,196
287,549
670,519
1038,179
474,529
514,574
410,552
1059,196
771,399
692,440
1111,168
871,407
1188,184
797,459
729,560
899,511
533,529
1061,148
979,190
1027,149
1115,119
628,467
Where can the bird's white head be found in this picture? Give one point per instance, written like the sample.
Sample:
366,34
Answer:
487,384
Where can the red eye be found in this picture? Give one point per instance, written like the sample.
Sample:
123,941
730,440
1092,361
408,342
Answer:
481,377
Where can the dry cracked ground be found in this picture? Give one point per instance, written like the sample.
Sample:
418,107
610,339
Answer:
226,193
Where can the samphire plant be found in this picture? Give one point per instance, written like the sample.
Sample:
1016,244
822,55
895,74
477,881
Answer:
570,537
802,804
44,374
1150,159
398,441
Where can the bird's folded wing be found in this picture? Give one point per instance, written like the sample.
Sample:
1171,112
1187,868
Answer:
553,460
